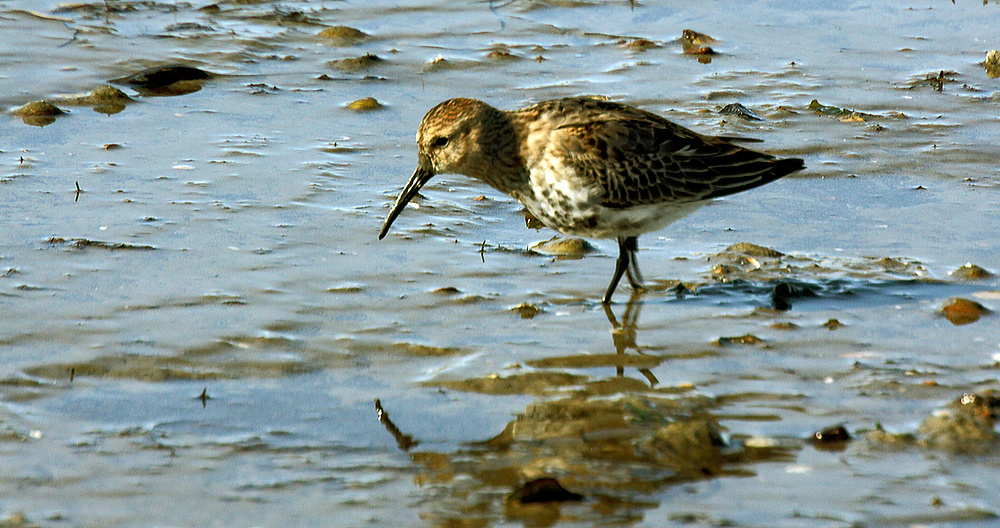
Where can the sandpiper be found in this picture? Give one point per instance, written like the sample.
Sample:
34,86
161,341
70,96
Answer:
587,167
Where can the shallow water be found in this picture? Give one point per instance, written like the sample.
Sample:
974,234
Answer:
225,241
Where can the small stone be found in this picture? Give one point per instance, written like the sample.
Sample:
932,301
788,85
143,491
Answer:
526,310
753,250
343,35
971,271
563,247
992,64
38,109
748,339
365,104
501,52
961,311
832,324
356,63
38,113
640,44
691,39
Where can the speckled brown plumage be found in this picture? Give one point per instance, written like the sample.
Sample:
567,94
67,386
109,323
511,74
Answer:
587,167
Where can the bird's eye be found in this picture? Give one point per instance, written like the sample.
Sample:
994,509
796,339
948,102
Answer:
439,141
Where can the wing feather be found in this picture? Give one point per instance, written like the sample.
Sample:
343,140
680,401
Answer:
637,158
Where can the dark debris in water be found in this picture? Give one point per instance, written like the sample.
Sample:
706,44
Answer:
936,80
404,441
544,489
833,438
740,111
748,339
84,243
161,76
784,292
843,114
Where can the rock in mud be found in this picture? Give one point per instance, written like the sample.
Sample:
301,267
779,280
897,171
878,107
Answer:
356,63
753,250
960,311
527,310
365,104
343,35
964,426
563,247
38,109
748,339
38,113
163,76
639,44
992,64
971,271
695,43
106,100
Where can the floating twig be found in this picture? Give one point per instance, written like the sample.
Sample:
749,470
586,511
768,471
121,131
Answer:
404,441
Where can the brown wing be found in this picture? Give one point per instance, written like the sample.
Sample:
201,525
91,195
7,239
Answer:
637,158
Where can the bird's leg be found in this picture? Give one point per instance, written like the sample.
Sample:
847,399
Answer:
621,266
632,271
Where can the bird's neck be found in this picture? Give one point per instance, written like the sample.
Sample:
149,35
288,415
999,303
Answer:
500,145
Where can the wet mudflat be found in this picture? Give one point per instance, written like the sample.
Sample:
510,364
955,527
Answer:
197,318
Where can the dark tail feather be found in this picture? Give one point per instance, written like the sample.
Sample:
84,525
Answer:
774,169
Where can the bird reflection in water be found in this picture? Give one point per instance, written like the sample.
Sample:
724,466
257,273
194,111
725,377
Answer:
623,334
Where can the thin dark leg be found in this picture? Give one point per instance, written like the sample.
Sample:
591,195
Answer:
634,276
621,266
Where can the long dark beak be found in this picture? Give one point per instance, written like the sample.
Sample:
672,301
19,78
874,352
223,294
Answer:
422,175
